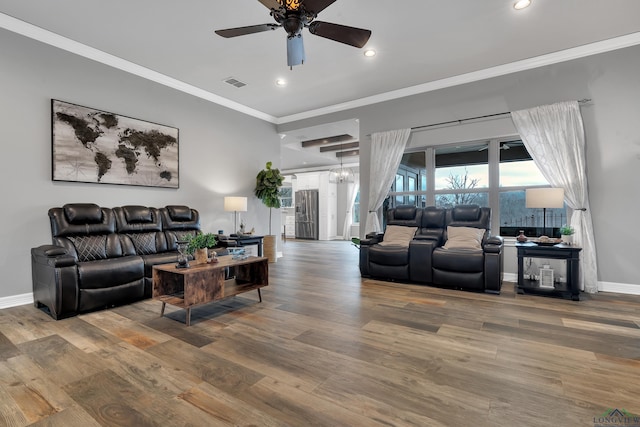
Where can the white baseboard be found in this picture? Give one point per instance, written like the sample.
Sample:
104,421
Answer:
620,288
510,277
16,300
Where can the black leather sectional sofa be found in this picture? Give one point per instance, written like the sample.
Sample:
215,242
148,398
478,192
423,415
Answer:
427,259
102,257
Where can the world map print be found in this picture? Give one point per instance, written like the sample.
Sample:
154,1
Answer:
90,145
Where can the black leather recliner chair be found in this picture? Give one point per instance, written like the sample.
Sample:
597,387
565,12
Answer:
475,269
426,260
397,262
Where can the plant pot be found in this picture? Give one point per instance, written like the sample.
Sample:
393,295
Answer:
201,256
269,248
567,239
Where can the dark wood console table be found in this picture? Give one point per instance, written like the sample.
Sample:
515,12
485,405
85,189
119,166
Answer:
571,254
244,240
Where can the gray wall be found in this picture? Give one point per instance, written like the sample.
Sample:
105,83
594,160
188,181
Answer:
612,125
221,151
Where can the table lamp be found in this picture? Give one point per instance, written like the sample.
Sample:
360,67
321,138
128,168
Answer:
544,198
235,204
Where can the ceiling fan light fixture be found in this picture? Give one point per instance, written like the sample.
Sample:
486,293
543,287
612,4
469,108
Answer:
369,53
521,4
290,4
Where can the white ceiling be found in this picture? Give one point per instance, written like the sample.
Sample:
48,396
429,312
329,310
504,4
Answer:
422,45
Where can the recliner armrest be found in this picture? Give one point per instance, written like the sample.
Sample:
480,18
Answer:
372,239
52,255
494,244
54,275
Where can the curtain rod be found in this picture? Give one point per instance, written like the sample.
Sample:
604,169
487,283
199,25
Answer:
486,116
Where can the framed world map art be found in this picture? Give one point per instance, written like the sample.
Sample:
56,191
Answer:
90,145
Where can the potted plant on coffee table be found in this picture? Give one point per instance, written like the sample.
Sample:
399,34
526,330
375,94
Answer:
268,183
199,246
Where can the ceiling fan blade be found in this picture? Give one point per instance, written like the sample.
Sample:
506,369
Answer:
241,31
295,51
317,6
352,36
270,4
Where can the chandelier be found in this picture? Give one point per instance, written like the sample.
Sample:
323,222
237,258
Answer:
341,175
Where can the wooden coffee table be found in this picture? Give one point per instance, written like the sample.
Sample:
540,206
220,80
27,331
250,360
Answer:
204,283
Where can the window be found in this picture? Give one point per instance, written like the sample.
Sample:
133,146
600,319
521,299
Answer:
461,173
410,181
286,197
518,172
491,173
355,213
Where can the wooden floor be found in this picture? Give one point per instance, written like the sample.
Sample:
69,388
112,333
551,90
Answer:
326,348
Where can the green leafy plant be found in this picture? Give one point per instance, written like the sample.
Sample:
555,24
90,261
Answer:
201,241
567,230
268,183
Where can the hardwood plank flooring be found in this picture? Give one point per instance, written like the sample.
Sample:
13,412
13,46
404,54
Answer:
326,348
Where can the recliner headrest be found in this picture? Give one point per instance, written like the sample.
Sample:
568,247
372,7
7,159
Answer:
179,213
466,213
137,214
405,212
82,213
433,217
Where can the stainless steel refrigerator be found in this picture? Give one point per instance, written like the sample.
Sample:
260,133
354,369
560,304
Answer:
307,214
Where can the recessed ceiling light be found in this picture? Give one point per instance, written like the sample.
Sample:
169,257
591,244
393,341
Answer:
281,82
369,53
521,4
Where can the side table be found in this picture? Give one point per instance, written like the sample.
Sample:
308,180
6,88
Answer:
571,254
244,240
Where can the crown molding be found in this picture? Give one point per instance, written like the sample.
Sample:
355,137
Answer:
487,73
28,30
36,33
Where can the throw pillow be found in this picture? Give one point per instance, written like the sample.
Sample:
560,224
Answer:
464,238
398,235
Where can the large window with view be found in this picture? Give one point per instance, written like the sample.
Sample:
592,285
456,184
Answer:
462,175
492,173
518,172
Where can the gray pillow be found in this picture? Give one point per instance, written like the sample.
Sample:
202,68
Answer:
398,235
464,238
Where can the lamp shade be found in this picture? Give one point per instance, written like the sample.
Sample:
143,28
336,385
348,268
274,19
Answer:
235,204
544,197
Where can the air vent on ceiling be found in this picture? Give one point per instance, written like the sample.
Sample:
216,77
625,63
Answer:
234,82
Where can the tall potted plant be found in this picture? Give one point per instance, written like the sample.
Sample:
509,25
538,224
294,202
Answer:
268,183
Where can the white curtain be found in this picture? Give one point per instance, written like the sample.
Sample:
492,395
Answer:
351,199
554,136
386,153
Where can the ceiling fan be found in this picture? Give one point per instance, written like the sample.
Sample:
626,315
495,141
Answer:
293,16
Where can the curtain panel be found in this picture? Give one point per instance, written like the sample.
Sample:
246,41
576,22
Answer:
386,153
554,136
351,199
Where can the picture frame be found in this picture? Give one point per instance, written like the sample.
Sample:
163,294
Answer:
94,146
